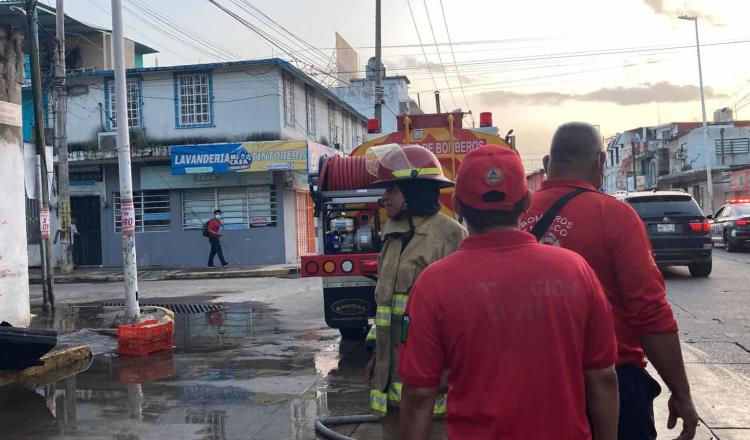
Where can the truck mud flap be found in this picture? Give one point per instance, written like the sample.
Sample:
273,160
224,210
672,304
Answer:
349,307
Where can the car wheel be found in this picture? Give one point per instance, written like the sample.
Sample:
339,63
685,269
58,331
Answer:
730,245
357,333
700,270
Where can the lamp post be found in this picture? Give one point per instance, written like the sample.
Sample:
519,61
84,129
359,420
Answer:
706,152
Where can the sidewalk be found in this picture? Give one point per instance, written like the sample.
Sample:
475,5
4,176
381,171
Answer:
161,273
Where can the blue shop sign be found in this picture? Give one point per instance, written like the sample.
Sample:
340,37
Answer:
212,158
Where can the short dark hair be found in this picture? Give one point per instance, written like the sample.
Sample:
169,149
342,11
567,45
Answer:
487,219
217,211
574,141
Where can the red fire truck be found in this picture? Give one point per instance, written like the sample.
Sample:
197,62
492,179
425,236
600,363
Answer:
349,217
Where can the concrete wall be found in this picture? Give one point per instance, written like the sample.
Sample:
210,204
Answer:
176,247
14,273
95,50
247,101
343,120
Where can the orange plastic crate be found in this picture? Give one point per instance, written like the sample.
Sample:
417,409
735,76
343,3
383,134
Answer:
144,338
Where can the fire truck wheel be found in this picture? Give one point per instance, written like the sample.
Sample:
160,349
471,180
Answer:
353,333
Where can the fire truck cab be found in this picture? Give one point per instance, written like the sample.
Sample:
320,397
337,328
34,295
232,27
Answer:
349,217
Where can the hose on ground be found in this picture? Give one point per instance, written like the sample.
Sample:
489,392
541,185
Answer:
322,425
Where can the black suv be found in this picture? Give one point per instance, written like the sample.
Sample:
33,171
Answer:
678,230
731,224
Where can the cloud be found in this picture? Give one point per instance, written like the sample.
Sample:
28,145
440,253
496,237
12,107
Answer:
412,61
666,9
643,94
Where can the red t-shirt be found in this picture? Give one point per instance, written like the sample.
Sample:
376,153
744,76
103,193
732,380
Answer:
611,237
214,225
516,324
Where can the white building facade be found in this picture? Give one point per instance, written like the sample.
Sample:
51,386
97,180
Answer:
198,115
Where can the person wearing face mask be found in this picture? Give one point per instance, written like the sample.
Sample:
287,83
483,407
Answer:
416,235
613,240
214,237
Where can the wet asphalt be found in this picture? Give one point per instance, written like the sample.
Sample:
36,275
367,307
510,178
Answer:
265,366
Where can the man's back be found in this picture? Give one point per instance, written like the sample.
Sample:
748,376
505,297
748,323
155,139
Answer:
516,324
611,237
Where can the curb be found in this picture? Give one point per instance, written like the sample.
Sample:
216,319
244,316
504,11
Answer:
58,364
170,276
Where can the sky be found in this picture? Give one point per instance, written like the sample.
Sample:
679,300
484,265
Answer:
535,64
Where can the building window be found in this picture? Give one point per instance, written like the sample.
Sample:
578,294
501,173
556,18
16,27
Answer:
333,130
152,211
289,117
732,146
310,110
241,207
617,155
193,100
135,103
345,141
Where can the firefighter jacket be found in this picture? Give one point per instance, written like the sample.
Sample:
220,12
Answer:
405,254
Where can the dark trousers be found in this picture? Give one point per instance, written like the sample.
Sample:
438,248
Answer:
215,250
637,393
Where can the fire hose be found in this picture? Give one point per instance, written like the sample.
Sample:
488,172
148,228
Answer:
322,425
345,173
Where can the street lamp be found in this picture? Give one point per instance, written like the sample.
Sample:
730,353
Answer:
709,156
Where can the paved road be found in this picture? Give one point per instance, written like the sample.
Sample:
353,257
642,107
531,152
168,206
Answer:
714,319
275,366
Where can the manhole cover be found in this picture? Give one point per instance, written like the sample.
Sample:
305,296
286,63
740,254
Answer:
185,308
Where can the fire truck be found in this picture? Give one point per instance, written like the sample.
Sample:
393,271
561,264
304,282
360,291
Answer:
349,218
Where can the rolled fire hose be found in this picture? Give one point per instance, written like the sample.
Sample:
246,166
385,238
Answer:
322,425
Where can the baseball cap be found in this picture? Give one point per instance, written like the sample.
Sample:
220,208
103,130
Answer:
491,178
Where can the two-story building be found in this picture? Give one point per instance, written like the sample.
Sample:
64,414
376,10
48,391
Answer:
360,94
673,155
238,136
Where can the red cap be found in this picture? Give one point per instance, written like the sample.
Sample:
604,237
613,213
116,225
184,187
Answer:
491,178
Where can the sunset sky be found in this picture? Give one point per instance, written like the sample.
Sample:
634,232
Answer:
618,64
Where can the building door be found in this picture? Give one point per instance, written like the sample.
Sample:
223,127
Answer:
87,250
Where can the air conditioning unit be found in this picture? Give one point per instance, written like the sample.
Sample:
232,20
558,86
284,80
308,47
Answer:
108,141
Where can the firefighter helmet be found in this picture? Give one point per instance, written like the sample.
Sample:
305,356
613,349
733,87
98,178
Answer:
392,162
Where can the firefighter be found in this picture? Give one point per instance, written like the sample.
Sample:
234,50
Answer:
416,235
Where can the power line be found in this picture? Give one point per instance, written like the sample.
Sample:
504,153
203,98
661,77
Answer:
171,34
453,54
146,37
213,46
440,57
416,28
263,34
579,54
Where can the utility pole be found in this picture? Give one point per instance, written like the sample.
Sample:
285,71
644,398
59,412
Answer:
379,72
61,143
632,156
48,275
709,153
127,210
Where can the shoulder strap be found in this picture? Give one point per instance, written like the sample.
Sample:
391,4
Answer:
544,223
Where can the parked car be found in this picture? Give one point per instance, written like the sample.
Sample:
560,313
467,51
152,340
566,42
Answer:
679,232
731,224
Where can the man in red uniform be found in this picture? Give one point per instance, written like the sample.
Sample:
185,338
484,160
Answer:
524,330
214,237
611,237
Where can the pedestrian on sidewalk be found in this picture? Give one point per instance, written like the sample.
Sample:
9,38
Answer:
69,237
214,229
611,237
416,235
525,331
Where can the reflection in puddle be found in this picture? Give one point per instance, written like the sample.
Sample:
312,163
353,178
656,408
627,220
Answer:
234,374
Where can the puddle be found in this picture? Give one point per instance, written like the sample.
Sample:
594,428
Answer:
234,374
